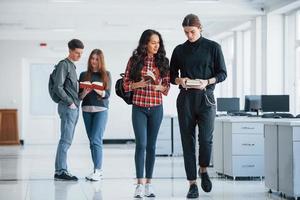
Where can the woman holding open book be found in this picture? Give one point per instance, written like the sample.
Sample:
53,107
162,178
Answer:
95,86
147,75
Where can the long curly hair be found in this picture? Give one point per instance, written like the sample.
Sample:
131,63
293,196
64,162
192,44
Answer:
101,67
139,54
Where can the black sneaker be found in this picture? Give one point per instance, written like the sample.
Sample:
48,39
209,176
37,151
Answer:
65,176
205,182
193,192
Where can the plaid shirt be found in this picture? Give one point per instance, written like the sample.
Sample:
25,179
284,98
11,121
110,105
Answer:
147,96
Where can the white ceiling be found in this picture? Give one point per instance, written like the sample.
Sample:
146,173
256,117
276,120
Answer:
118,19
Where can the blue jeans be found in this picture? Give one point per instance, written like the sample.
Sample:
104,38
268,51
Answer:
95,123
146,123
69,118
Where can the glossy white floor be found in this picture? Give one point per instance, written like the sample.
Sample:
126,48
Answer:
26,173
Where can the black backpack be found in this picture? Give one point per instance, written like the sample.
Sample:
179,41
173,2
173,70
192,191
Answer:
53,95
126,96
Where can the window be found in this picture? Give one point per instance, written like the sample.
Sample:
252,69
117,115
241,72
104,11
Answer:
298,26
247,61
228,51
298,80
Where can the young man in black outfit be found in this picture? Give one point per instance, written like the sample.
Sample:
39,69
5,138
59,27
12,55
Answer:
201,65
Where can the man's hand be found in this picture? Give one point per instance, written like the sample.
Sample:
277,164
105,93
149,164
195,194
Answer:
181,81
72,106
203,84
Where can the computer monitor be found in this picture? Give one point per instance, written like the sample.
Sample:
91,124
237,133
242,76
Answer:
252,103
275,103
228,104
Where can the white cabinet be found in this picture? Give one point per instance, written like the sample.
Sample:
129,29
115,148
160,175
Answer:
243,149
177,145
164,137
289,165
169,139
218,161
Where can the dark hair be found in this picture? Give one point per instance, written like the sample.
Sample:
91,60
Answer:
139,54
101,67
75,43
192,20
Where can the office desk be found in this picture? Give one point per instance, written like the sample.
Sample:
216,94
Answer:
289,158
239,148
282,163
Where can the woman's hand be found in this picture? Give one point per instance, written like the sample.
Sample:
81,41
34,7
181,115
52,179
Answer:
159,88
86,91
99,92
140,84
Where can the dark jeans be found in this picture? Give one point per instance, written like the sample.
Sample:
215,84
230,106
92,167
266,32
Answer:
95,123
146,123
196,107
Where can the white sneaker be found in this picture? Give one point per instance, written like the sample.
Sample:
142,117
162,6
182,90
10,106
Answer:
95,176
139,191
149,192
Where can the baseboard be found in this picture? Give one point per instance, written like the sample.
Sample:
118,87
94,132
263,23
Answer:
118,141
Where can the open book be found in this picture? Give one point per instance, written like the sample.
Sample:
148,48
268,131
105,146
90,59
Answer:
193,82
150,77
93,85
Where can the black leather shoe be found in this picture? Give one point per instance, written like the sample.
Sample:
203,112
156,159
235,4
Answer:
65,176
205,182
193,192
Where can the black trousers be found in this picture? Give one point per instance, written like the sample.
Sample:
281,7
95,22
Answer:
196,107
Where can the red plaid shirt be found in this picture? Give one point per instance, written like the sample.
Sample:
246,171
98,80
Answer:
147,96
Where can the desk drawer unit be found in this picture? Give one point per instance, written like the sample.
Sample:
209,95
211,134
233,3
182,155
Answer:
243,149
247,144
296,134
244,166
254,128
